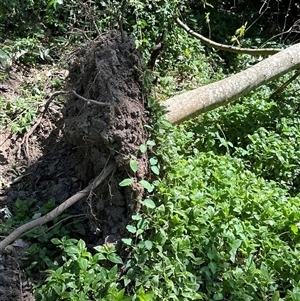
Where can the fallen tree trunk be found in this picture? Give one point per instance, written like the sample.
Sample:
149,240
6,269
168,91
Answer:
197,101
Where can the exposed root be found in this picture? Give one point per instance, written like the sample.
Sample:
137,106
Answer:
58,210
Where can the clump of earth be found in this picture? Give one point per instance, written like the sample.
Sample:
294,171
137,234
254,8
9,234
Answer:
101,123
105,118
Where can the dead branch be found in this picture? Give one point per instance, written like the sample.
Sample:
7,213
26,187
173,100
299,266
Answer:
208,42
58,210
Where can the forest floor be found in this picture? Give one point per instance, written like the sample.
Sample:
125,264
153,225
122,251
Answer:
73,142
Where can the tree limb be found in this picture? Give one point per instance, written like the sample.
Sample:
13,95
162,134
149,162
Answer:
208,42
197,101
58,210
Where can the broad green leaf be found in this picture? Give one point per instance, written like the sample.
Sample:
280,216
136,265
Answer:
151,143
153,161
56,241
126,182
155,169
71,250
136,217
276,296
133,165
113,257
127,241
213,267
83,263
143,148
99,256
218,296
113,273
148,244
148,203
81,244
147,185
294,229
234,246
131,229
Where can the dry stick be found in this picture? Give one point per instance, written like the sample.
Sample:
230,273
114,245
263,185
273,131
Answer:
58,210
99,103
259,51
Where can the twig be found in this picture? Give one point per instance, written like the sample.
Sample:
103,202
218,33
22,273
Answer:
58,210
285,84
259,51
59,222
90,100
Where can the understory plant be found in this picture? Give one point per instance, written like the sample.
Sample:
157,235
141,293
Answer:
211,230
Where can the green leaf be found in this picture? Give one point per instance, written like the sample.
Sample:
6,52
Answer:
234,246
56,241
136,217
72,250
81,245
294,229
113,273
83,263
151,142
218,296
131,229
143,148
147,185
113,257
126,182
99,256
155,169
127,241
151,102
133,165
142,296
153,161
148,244
213,267
276,296
148,203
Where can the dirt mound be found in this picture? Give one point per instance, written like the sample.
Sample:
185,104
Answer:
102,122
105,120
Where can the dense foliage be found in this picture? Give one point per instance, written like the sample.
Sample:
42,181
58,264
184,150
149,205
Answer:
223,220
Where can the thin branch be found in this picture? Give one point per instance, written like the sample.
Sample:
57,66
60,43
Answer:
285,84
259,51
58,210
90,100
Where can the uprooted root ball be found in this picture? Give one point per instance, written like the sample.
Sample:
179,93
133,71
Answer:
110,127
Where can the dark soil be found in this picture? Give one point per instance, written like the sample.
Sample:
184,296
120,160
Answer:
74,143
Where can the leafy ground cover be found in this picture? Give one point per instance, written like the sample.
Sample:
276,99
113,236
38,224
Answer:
221,217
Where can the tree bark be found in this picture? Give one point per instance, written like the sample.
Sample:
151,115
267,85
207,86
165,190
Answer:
197,101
